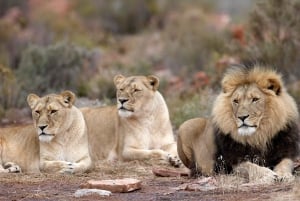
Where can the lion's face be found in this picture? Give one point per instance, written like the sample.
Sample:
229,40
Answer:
248,104
253,106
135,94
51,114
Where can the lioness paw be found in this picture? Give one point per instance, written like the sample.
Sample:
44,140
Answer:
159,154
68,168
174,160
11,167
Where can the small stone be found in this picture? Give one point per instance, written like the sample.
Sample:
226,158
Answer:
87,192
115,186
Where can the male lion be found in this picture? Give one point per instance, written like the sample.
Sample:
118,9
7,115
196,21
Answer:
137,128
62,133
253,129
19,149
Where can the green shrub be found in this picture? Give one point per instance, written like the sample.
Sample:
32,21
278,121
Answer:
9,89
57,67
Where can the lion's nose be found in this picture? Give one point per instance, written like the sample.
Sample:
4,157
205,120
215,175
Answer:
42,127
121,100
243,117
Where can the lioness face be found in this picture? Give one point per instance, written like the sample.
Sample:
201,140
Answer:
248,103
135,94
51,113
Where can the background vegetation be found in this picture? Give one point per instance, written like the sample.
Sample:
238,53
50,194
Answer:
49,46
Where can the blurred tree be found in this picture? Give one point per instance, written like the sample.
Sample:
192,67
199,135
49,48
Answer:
9,88
7,4
273,36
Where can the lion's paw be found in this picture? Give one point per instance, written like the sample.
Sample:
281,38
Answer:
285,177
174,160
68,168
265,176
11,167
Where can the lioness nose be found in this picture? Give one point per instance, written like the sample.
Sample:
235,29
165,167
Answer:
42,127
243,117
123,100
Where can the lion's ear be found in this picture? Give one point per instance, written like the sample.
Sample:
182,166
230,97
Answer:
32,100
68,98
274,85
118,79
154,81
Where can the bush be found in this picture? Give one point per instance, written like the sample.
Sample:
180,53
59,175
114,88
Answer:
9,89
54,68
197,105
273,36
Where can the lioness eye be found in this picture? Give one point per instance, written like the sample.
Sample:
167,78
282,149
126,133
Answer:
236,101
53,111
37,112
255,99
136,90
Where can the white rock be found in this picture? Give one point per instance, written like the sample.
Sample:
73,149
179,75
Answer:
86,192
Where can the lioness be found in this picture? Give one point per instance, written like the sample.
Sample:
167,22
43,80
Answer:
62,133
137,128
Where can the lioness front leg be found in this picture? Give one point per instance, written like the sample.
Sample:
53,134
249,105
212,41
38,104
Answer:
256,173
145,154
284,170
64,166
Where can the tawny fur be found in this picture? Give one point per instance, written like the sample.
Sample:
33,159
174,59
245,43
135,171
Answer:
139,126
19,149
62,132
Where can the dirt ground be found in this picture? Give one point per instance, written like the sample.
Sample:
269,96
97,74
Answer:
62,187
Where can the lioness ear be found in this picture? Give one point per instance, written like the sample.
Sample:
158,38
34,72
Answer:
154,81
32,100
68,98
118,79
274,85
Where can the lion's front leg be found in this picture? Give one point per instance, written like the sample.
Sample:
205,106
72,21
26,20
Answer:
255,173
284,170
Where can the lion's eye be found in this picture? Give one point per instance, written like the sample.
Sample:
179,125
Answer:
37,112
53,111
255,99
121,89
236,101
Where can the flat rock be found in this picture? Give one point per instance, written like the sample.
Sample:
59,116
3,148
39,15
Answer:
167,172
115,186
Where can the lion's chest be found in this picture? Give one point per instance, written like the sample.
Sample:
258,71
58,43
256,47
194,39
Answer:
230,153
